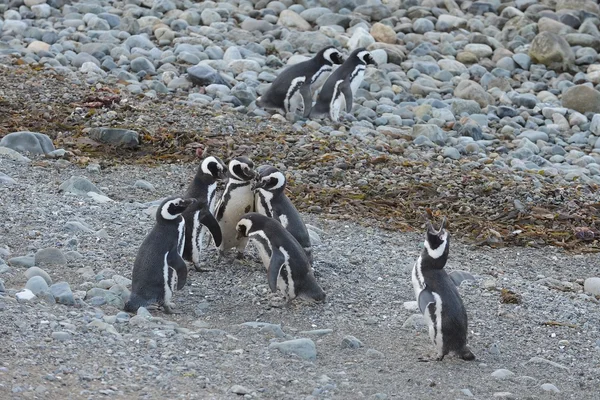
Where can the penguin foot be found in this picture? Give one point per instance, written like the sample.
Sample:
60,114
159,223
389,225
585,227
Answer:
169,309
199,268
239,255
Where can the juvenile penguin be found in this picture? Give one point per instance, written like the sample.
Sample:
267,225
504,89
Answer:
270,200
288,267
438,297
300,79
341,85
200,218
158,269
237,200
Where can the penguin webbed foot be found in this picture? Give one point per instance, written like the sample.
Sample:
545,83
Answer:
169,308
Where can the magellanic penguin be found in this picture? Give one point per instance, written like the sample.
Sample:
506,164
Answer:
270,200
288,267
158,269
237,200
438,297
303,78
200,217
341,85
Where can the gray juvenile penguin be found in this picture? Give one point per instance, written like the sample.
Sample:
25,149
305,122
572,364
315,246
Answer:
438,298
237,200
288,267
270,200
200,217
158,269
301,79
341,85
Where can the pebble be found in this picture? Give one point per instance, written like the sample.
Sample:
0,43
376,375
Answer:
50,256
238,389
592,286
36,271
502,374
24,295
317,332
36,285
264,327
304,348
61,336
79,185
548,387
22,261
28,142
350,342
62,293
145,185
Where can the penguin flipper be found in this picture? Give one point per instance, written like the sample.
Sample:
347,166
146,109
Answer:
307,98
176,262
277,261
209,221
347,92
425,298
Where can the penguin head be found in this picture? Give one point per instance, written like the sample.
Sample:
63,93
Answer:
363,56
330,55
241,169
171,208
437,241
215,167
270,179
250,223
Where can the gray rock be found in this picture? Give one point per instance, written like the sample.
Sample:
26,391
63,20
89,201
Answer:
79,185
415,321
209,16
350,342
14,155
525,100
36,271
470,90
523,60
592,285
50,256
502,374
430,131
460,107
109,297
36,284
553,51
545,363
265,327
115,136
2,289
204,75
6,180
28,142
23,261
61,336
582,98
142,64
548,387
62,293
145,185
372,353
317,332
238,389
162,6
423,25
304,348
534,136
451,152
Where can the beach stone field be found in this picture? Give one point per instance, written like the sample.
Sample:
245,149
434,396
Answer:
484,112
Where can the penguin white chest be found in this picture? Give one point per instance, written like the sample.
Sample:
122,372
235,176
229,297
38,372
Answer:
263,202
239,201
433,318
263,246
211,198
170,280
181,237
357,77
418,281
285,282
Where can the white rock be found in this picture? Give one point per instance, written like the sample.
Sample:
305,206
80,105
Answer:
292,19
480,50
90,67
36,46
548,387
502,374
99,198
411,305
25,295
592,285
360,38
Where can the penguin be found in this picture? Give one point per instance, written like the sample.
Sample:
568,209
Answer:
438,297
300,79
237,200
288,267
270,200
158,269
200,218
341,85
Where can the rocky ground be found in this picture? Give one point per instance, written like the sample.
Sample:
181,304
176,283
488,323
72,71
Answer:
485,112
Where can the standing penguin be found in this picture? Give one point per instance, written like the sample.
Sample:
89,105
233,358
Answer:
237,200
199,218
270,200
341,85
438,297
288,267
303,79
158,269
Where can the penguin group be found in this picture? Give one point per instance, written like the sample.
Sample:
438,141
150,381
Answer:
297,85
252,207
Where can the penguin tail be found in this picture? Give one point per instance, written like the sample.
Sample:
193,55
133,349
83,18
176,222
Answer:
466,354
134,303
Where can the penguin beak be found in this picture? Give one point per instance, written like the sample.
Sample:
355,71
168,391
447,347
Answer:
443,226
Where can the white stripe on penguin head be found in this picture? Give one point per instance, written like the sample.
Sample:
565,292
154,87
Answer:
164,211
330,52
207,161
439,251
